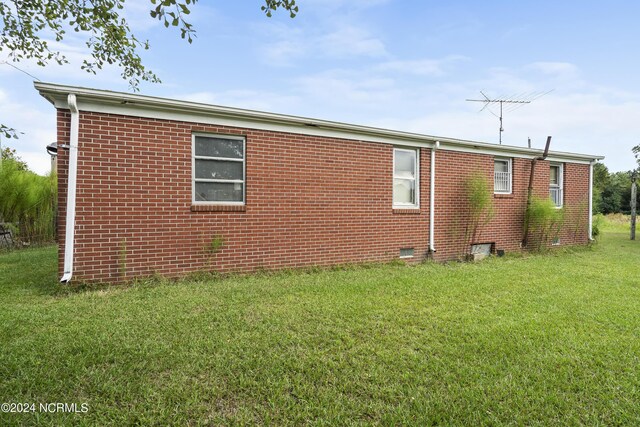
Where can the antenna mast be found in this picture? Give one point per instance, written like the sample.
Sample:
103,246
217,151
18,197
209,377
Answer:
518,100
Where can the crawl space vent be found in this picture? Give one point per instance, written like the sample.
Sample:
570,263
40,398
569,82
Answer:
482,249
406,253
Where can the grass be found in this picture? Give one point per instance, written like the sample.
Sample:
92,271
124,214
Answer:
533,340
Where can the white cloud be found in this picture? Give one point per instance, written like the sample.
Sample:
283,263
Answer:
284,45
248,99
348,95
331,8
75,52
349,41
554,68
421,67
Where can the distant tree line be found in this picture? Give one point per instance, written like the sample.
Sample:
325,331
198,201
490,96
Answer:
611,191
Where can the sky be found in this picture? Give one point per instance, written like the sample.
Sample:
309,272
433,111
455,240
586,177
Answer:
404,65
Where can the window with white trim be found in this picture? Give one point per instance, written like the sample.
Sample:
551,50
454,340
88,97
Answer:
218,169
556,184
405,178
502,176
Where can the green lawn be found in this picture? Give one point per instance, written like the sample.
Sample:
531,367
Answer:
536,340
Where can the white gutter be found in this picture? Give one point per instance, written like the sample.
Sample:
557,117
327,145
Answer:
432,197
591,201
70,223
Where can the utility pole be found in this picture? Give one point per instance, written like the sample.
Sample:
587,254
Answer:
633,204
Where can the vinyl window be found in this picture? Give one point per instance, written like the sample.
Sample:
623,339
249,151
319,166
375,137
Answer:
556,179
502,176
218,169
405,178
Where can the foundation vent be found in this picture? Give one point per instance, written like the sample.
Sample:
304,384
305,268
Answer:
406,253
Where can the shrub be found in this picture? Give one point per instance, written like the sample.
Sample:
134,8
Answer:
480,205
544,222
596,225
28,201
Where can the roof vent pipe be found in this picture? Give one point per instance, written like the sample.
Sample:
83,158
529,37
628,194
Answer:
432,197
70,223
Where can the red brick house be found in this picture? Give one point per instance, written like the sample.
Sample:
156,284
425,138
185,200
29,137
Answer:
158,186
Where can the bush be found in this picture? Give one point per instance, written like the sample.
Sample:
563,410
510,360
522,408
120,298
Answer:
544,222
28,201
596,225
479,195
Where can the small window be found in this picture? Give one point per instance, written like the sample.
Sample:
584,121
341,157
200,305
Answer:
556,184
502,176
405,178
218,169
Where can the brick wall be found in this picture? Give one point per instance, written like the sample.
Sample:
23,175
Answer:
506,226
309,201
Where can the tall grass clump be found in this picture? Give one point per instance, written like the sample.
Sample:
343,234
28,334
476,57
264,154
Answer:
479,197
28,202
544,221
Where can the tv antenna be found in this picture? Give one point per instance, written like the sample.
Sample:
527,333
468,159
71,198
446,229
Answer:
514,102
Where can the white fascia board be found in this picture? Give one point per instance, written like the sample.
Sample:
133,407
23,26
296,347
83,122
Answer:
221,119
570,158
506,151
102,101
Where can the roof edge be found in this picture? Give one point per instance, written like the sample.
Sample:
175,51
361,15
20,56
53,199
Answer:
93,98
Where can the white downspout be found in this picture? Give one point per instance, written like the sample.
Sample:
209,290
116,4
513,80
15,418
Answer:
70,223
432,197
591,201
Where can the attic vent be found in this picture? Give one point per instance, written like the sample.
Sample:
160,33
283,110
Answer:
406,253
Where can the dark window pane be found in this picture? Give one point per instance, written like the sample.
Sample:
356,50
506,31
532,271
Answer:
219,147
218,169
218,192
